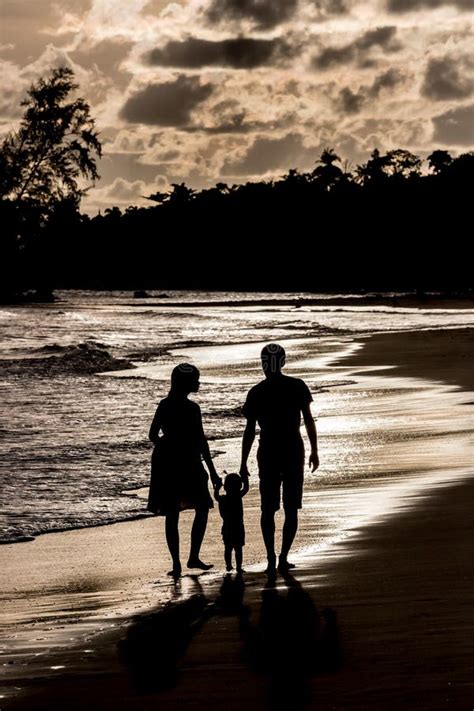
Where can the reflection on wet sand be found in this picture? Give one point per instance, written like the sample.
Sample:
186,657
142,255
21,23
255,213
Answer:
291,642
281,634
155,643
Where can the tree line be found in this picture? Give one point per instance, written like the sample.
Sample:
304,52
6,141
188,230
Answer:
393,222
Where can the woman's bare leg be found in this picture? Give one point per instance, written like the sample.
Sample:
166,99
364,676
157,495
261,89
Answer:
172,539
197,534
228,558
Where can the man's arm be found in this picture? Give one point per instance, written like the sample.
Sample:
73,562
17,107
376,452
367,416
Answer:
312,435
247,442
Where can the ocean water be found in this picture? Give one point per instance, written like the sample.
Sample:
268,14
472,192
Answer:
81,378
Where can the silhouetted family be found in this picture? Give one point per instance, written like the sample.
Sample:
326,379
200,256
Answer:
179,480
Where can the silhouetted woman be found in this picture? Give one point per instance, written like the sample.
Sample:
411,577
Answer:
179,480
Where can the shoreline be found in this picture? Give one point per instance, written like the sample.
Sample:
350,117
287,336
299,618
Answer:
446,352
391,299
383,348
204,645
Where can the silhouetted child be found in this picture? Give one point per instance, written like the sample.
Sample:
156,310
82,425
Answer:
232,513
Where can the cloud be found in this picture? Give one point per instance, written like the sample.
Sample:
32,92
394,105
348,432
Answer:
380,37
267,154
124,191
334,55
325,8
237,123
264,14
154,7
399,6
107,53
455,127
386,80
25,24
13,91
127,142
351,102
129,165
238,53
229,84
443,80
168,104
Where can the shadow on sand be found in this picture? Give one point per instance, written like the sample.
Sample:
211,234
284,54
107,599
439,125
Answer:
283,637
291,642
156,642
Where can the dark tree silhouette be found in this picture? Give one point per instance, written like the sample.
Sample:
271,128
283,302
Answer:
54,147
326,173
439,160
387,224
43,166
403,163
181,195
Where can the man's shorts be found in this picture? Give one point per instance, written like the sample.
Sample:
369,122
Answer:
281,471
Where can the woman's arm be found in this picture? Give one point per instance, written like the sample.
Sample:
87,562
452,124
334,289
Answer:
206,455
155,426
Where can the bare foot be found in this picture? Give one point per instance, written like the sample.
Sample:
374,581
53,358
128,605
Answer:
175,572
284,565
271,563
197,563
229,568
271,567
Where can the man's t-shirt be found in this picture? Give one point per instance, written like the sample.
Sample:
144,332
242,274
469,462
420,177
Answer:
276,404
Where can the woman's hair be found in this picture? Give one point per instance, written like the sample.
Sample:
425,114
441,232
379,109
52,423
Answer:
184,378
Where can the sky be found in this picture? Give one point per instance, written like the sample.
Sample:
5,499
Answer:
206,91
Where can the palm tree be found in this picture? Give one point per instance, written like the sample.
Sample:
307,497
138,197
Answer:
327,174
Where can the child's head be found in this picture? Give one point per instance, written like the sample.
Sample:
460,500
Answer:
232,484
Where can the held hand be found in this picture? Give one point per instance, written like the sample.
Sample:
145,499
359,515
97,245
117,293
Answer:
213,473
217,488
313,461
244,472
245,485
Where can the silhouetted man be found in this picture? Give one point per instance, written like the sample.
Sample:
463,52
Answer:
277,403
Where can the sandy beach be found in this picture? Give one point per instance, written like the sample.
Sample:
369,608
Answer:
381,619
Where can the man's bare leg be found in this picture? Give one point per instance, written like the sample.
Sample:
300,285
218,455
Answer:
289,532
267,523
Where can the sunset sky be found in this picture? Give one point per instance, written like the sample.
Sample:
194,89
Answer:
229,90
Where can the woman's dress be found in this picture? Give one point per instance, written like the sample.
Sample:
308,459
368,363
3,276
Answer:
179,480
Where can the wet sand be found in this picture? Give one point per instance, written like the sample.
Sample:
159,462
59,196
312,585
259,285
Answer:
387,613
437,355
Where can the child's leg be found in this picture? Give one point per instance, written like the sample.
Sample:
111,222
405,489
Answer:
238,558
228,557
